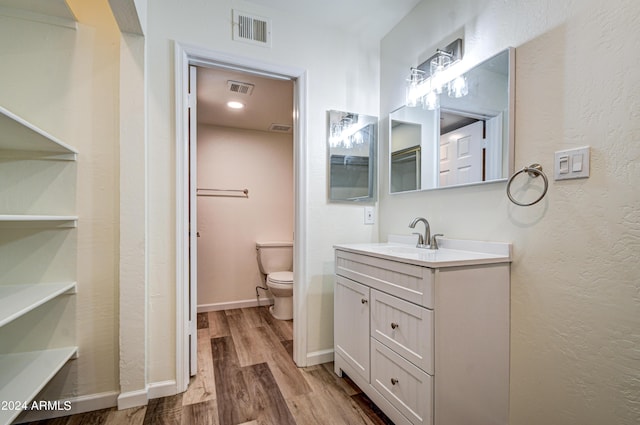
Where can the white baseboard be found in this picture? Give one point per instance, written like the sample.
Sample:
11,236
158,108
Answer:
104,400
80,404
132,399
234,304
161,389
319,357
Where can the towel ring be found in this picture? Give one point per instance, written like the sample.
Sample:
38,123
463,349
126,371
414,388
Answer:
534,170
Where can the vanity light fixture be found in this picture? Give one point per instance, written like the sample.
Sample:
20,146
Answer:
235,105
423,89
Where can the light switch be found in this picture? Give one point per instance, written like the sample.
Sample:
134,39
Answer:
576,163
572,163
564,164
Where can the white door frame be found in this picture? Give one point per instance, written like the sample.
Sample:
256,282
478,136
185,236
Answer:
186,55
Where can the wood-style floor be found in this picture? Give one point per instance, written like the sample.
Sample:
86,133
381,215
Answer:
246,376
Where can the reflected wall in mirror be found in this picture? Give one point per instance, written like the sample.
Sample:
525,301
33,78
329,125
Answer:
468,140
351,142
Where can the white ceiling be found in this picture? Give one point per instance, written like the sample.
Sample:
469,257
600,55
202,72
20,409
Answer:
370,18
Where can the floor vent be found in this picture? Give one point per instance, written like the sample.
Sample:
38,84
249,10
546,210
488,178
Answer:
282,128
240,87
251,29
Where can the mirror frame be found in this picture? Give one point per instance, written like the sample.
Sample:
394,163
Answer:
508,134
368,120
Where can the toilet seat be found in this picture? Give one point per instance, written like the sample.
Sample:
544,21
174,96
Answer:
281,278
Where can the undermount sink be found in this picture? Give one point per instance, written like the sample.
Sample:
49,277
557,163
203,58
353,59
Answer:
452,252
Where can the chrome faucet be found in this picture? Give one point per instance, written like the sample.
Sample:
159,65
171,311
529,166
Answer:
423,241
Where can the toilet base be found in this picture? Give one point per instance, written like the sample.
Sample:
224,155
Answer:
282,308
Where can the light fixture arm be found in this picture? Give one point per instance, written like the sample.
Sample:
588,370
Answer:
453,50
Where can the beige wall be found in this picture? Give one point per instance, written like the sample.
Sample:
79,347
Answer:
575,286
229,228
65,81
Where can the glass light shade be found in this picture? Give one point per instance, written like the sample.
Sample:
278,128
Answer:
437,66
458,87
432,100
413,85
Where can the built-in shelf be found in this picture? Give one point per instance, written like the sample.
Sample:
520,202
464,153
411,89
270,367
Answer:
39,220
23,375
17,300
21,136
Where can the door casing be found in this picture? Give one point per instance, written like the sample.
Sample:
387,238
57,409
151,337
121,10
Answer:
185,56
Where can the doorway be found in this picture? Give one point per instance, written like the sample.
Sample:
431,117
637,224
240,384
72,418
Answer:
244,185
186,299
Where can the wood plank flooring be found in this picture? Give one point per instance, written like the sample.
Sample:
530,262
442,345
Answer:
246,376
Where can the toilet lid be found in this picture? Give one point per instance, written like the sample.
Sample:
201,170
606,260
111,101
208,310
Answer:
281,277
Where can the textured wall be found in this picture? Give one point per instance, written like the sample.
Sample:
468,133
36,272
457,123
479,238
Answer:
575,311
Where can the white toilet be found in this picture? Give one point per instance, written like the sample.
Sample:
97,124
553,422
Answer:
275,260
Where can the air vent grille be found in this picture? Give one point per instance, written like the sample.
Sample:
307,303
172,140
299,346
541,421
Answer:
240,87
282,128
251,29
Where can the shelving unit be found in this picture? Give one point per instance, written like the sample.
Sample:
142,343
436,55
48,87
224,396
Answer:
17,300
24,372
45,220
19,135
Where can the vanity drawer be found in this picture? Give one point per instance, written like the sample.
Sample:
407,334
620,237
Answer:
404,327
407,388
407,281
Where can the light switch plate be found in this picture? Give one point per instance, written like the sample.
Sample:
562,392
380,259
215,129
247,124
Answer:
572,163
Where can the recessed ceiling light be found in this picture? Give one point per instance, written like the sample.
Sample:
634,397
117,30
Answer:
235,105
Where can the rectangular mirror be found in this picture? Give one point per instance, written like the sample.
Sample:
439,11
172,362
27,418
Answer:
466,140
351,142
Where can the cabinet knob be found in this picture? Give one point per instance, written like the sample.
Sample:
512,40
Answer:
364,301
394,381
394,325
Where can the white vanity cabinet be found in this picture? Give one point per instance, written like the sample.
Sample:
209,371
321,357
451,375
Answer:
37,261
426,334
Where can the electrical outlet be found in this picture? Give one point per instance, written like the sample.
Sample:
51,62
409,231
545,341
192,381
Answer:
369,215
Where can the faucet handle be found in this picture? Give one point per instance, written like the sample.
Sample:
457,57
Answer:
420,238
434,241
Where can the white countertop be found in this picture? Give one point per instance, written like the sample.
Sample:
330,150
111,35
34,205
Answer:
452,252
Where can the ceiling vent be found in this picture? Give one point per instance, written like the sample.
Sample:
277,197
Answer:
251,29
240,87
281,128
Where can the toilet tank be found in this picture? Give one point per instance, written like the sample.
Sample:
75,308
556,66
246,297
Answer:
275,256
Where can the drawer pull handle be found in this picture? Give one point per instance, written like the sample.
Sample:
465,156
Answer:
394,381
394,325
364,301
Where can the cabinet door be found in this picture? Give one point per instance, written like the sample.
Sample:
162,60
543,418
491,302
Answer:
351,324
